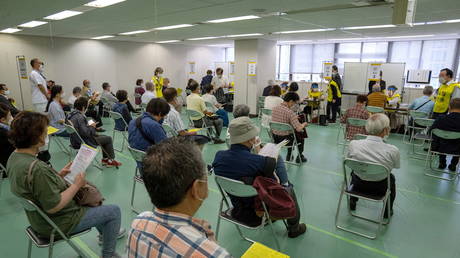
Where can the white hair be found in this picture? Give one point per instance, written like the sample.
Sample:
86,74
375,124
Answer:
377,123
376,88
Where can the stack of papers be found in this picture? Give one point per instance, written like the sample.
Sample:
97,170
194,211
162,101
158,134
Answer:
258,250
272,150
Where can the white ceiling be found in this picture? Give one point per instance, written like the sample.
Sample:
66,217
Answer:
147,14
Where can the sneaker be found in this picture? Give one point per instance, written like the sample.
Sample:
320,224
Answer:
301,157
120,235
300,229
442,166
353,204
111,163
218,141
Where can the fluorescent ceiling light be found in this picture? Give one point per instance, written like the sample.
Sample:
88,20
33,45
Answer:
62,15
294,41
167,41
302,31
434,22
418,23
134,32
103,3
173,27
348,39
231,19
369,27
10,30
410,36
204,38
32,24
244,35
103,37
452,21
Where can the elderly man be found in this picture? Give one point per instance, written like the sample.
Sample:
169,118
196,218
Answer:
175,178
374,149
424,103
240,163
377,98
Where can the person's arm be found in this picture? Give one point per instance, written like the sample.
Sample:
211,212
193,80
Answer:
268,169
39,86
334,93
69,193
396,158
203,108
343,119
294,121
126,115
412,105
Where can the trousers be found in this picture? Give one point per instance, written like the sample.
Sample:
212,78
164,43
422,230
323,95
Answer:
377,188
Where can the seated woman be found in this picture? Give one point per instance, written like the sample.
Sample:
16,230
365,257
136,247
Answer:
284,114
216,106
270,102
122,108
5,121
55,112
48,189
89,135
313,94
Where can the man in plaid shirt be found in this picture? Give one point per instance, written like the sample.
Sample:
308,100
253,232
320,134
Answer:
357,111
176,179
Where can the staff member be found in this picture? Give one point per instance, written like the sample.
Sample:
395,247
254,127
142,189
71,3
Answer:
393,98
334,100
445,92
336,77
157,80
38,86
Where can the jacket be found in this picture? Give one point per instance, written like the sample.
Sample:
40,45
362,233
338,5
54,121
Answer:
13,109
86,132
123,110
7,148
151,129
450,122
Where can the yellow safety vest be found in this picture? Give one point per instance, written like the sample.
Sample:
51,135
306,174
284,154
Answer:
158,83
441,105
314,94
329,90
393,97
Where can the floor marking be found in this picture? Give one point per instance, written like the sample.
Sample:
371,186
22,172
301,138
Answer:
85,247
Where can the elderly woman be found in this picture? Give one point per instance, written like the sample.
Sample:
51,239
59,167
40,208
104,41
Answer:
48,189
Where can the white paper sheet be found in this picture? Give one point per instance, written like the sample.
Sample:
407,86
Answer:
272,150
85,156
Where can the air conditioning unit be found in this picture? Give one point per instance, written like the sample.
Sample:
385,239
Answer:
404,12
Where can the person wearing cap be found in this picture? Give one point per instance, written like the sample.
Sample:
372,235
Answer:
241,162
313,94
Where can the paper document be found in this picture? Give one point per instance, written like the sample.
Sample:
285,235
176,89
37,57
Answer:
52,130
272,150
258,250
85,156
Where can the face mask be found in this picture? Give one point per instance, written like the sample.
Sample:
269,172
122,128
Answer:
220,75
7,92
10,120
62,94
442,80
42,68
45,146
206,196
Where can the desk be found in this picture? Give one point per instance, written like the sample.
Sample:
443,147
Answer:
313,104
398,116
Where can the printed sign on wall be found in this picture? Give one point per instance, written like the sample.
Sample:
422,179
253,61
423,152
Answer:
373,73
327,70
252,66
232,68
22,67
191,67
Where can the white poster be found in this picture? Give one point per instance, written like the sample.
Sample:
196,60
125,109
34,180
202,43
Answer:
22,67
373,73
191,67
252,66
232,68
327,70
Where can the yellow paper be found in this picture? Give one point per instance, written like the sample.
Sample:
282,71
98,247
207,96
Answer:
52,130
194,130
258,250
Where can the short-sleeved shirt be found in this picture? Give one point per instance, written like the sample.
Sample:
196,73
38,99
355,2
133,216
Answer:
220,82
147,96
424,104
174,120
283,114
195,102
45,192
56,114
211,99
36,79
357,111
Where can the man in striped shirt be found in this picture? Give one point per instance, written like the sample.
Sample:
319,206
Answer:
357,111
176,179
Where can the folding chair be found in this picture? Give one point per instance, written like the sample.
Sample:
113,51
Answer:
239,189
447,135
143,106
59,143
421,125
370,169
295,145
357,122
374,110
209,106
265,123
42,242
138,156
193,113
106,106
260,105
410,127
117,116
170,132
73,152
2,173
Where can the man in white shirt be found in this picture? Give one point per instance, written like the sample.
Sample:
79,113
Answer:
220,83
149,93
173,119
374,149
38,86
76,93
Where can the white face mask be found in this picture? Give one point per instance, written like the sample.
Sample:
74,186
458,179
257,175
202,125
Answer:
45,146
62,94
42,68
7,92
442,80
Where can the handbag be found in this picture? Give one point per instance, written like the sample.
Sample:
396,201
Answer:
87,195
279,202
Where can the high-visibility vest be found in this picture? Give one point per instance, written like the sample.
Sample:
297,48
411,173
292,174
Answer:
441,105
158,83
314,94
329,90
393,97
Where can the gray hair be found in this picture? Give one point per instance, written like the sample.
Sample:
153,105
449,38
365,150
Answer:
377,123
428,90
241,110
376,88
149,86
271,82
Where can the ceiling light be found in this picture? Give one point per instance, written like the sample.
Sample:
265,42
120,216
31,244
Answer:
452,21
347,39
167,41
418,23
244,35
294,41
32,24
302,31
173,27
62,15
369,27
239,18
434,22
204,38
103,37
134,32
10,30
413,36
103,3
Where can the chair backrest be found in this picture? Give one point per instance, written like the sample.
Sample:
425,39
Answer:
235,187
71,130
424,122
417,114
281,127
359,136
137,155
448,135
262,98
356,121
367,168
266,111
209,105
373,109
169,130
193,113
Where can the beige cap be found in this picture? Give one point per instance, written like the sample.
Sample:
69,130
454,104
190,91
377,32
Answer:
242,129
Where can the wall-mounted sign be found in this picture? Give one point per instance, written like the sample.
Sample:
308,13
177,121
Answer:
252,68
373,74
231,68
22,66
191,67
327,70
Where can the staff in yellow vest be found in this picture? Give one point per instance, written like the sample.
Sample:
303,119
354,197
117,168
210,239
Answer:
447,90
157,81
334,100
393,98
313,94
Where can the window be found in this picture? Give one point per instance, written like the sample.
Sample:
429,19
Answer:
284,62
406,52
347,52
301,58
229,54
436,55
321,53
374,52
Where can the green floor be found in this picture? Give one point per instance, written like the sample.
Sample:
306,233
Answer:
424,222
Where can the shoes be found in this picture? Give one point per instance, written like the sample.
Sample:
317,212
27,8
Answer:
111,163
218,141
297,160
299,230
452,168
353,204
120,235
288,157
442,166
100,130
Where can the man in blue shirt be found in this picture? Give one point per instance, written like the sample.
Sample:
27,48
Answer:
425,103
206,80
240,163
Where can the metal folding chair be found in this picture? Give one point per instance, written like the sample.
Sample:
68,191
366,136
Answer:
370,169
265,123
2,173
41,242
260,105
170,132
193,113
447,135
410,127
239,189
209,106
357,122
138,156
73,152
117,116
420,133
106,106
295,144
374,110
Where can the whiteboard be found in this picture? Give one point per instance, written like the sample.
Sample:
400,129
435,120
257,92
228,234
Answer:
355,76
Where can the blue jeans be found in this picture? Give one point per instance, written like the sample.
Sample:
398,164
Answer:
223,115
281,172
107,220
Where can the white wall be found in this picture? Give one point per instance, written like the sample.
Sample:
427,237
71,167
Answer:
69,61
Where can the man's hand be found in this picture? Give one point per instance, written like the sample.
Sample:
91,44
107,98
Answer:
333,101
80,180
65,170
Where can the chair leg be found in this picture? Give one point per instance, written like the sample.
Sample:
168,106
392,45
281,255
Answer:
132,196
50,249
274,234
337,213
219,219
29,250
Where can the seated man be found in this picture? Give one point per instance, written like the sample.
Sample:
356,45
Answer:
173,119
122,108
376,98
375,150
5,121
149,93
424,103
196,102
450,122
357,111
76,93
240,163
4,93
175,178
107,94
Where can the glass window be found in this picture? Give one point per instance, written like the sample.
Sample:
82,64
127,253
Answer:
302,56
438,54
301,77
347,52
230,54
374,52
406,52
321,53
285,56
